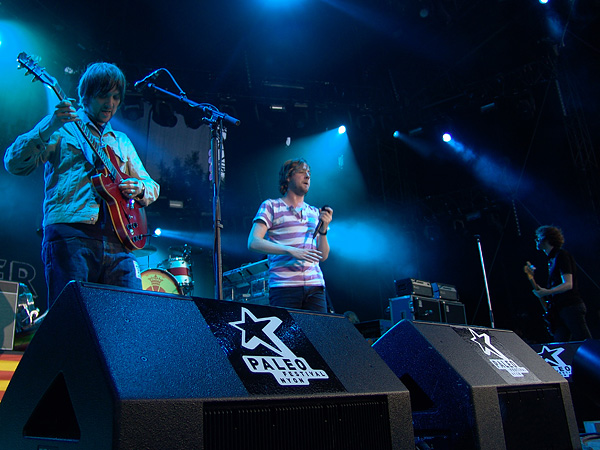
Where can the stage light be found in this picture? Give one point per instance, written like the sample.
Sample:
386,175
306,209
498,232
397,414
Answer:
446,137
341,129
177,204
163,115
193,118
157,232
543,2
396,134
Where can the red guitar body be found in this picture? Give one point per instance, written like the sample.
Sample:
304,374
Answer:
127,216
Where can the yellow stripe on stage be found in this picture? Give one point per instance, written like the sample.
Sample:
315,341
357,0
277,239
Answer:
3,384
8,366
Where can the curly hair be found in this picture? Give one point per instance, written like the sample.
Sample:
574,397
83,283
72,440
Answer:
552,234
98,79
287,170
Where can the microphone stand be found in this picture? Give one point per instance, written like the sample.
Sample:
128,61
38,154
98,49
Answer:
215,121
487,289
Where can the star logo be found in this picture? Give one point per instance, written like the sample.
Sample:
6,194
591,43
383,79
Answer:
287,368
257,332
484,341
551,355
501,362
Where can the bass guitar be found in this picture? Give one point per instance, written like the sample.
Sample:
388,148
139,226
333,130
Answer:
127,216
549,312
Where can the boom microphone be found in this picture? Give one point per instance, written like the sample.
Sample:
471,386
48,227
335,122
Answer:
139,85
320,223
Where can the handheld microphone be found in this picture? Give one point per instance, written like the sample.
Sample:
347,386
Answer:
139,85
319,224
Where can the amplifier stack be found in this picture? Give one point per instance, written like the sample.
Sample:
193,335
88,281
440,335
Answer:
426,301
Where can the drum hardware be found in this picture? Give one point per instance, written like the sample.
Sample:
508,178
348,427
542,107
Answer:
146,251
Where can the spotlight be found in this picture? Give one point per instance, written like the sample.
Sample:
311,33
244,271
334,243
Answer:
543,2
157,232
396,134
341,129
163,115
446,137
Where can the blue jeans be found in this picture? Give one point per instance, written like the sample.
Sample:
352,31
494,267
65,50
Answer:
91,260
311,298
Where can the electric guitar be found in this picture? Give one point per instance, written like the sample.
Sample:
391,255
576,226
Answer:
549,312
127,216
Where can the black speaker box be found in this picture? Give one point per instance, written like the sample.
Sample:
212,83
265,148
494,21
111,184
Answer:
479,388
118,369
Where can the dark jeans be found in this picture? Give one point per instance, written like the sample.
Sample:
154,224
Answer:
311,298
572,325
91,260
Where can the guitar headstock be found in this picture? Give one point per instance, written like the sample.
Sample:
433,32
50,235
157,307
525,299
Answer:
529,269
33,68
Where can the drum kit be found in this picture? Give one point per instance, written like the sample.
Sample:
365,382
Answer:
173,275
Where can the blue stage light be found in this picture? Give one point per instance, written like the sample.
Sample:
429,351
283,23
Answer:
447,137
396,134
342,129
157,232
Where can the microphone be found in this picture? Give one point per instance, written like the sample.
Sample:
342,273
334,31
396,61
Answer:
320,223
139,85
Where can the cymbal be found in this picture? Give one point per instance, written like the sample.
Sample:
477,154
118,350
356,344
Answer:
146,251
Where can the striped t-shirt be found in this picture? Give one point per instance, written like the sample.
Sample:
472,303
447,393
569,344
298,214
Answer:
293,227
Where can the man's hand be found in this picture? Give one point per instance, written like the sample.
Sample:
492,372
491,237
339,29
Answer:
305,254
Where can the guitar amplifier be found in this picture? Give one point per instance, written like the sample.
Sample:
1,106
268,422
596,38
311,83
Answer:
444,291
453,312
411,286
413,307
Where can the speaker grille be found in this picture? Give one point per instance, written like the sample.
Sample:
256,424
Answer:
324,423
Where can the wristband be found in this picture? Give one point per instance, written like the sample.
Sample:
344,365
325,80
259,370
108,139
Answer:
323,234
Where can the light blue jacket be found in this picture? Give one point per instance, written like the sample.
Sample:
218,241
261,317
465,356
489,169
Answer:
70,196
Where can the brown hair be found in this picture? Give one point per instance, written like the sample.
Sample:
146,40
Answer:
287,170
552,234
98,79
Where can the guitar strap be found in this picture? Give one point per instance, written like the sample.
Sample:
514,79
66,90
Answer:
88,152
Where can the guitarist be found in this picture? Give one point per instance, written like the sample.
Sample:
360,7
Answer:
566,308
80,242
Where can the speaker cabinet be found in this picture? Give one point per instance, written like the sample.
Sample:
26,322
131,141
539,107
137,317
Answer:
479,388
111,368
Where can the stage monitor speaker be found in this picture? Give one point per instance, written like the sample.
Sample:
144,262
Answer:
479,388
119,369
577,362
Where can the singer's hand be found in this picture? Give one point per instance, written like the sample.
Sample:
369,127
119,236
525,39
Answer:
305,254
326,216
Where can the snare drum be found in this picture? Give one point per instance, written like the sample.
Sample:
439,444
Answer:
181,270
158,280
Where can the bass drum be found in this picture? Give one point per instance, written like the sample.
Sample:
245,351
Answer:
157,280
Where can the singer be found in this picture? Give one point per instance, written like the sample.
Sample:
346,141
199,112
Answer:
80,239
294,236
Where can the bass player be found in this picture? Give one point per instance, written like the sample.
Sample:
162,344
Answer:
565,310
83,232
